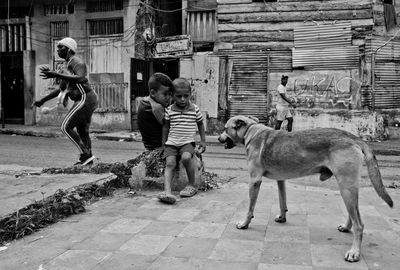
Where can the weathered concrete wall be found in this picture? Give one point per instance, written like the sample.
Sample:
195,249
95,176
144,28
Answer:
362,123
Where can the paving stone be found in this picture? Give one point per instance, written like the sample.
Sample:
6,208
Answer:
330,236
254,232
379,257
143,212
179,214
237,250
104,241
299,208
331,208
172,263
126,225
286,253
20,257
147,244
368,210
167,228
374,223
325,221
77,260
224,265
333,256
203,230
291,220
124,261
293,234
216,212
263,266
190,247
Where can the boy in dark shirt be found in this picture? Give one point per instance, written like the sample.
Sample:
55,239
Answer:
151,110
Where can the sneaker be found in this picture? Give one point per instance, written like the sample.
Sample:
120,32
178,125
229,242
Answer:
77,163
87,159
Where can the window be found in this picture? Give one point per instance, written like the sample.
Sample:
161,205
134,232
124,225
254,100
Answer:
103,5
106,27
58,30
60,8
389,14
105,45
202,27
12,37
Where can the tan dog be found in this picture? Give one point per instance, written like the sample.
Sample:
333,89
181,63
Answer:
284,155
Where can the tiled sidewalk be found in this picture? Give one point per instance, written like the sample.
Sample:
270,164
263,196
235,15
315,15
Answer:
125,232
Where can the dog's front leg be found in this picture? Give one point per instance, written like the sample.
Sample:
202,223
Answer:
254,188
282,202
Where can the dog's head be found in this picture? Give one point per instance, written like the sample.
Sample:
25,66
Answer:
235,129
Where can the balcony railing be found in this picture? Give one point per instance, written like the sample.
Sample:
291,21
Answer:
113,97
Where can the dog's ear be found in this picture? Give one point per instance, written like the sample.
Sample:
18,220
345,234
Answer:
254,118
239,124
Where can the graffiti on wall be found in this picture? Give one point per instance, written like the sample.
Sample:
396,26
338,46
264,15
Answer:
336,89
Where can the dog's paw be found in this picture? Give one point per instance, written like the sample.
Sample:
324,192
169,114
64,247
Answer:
280,219
352,255
343,228
242,225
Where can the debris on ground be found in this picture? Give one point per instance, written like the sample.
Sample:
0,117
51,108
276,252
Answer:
61,204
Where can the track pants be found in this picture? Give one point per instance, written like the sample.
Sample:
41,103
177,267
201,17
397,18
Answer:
79,117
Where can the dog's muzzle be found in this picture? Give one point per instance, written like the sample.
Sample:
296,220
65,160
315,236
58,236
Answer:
227,141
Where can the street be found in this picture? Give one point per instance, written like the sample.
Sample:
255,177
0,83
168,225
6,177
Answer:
40,152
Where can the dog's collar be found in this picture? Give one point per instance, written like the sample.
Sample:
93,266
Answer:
248,129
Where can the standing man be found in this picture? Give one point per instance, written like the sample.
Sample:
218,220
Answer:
282,105
78,90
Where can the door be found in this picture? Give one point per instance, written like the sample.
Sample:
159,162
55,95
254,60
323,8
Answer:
12,87
140,74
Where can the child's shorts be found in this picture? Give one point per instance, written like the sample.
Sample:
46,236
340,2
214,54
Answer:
171,150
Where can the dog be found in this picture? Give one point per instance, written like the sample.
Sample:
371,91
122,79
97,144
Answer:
282,155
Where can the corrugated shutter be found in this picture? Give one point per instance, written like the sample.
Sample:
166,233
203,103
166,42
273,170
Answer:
326,59
387,73
322,47
248,85
322,36
248,93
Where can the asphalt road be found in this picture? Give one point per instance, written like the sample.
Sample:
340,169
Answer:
40,152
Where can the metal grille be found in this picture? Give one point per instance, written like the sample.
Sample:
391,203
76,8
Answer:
12,38
59,29
103,5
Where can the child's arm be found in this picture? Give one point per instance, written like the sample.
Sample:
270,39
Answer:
165,131
202,132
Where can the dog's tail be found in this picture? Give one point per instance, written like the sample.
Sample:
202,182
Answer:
374,173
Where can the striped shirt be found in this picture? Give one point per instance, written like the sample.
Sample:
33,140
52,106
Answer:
183,124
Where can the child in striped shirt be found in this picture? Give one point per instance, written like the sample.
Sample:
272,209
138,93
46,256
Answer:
179,130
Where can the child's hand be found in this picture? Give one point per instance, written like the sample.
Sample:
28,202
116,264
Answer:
202,147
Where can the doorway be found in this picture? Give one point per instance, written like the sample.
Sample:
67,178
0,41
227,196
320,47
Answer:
12,87
141,70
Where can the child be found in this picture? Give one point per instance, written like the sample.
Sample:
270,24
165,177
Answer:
179,132
151,110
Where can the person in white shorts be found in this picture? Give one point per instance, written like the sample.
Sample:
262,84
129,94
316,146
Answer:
282,105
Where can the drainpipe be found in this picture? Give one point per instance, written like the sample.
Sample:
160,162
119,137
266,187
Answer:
373,58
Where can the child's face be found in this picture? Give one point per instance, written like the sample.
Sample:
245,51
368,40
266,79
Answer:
181,96
162,96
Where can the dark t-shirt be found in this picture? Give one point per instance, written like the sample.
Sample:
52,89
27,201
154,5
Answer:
149,127
76,66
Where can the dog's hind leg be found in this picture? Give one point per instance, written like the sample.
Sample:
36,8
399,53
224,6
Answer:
349,192
254,189
282,202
